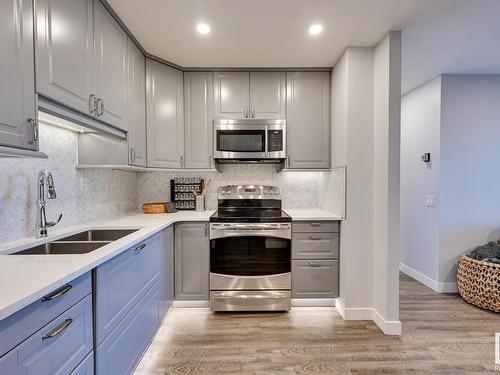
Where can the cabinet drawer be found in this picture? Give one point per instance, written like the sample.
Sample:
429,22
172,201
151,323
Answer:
57,348
86,367
122,281
315,278
315,245
124,347
19,326
315,226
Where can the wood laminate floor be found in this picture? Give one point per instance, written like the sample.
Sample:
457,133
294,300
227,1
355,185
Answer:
441,335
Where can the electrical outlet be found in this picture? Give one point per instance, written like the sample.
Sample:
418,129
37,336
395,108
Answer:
430,200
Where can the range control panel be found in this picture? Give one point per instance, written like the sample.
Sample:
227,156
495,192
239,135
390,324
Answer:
249,192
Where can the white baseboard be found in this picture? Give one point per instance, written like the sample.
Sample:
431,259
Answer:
190,304
427,281
368,313
313,302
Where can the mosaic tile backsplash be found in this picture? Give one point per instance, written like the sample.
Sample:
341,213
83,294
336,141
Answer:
92,194
82,195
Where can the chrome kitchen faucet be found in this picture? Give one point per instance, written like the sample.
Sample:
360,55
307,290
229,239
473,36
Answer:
44,177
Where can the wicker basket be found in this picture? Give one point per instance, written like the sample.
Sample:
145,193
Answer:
478,283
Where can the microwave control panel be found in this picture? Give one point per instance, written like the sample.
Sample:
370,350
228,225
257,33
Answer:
275,140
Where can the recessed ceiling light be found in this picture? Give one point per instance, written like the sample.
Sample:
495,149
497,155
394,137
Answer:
203,28
315,29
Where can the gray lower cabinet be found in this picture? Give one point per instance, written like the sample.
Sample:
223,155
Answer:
17,75
110,68
315,259
192,264
57,348
315,278
165,115
308,120
198,119
64,64
136,107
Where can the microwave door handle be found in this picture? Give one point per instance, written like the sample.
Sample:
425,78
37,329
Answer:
266,140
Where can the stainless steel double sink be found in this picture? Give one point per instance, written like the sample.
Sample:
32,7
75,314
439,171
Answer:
79,243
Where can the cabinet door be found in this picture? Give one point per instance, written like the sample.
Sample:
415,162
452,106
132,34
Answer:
308,120
122,281
198,107
110,52
231,95
315,278
267,95
65,52
136,116
192,266
17,75
167,269
165,115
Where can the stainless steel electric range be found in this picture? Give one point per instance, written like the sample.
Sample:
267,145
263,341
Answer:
250,250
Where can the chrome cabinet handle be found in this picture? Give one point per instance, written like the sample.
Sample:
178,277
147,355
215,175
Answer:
253,112
181,161
58,293
99,105
102,107
210,161
315,237
314,264
132,154
245,112
314,224
61,327
244,296
92,104
140,248
33,131
206,230
288,160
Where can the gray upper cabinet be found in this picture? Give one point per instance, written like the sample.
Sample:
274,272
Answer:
198,115
17,75
165,118
65,52
110,66
267,95
231,95
136,107
308,120
192,264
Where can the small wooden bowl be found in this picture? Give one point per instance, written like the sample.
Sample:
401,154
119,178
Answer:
155,208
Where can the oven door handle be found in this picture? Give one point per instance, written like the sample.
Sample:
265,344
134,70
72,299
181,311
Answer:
272,233
245,296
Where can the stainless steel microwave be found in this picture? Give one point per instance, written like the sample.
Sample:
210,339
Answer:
250,140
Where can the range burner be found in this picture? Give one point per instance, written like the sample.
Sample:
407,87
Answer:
249,204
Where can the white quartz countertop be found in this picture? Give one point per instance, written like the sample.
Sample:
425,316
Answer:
299,214
26,278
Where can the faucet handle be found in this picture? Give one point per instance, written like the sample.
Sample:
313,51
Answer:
53,223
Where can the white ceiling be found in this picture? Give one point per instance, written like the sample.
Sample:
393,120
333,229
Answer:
439,36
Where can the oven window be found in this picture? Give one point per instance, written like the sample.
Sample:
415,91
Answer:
241,140
250,256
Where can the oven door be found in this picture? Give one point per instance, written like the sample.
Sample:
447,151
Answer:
240,142
250,259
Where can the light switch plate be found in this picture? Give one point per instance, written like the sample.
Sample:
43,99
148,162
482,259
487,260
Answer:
430,200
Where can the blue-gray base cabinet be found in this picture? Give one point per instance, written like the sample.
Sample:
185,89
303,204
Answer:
56,348
133,293
86,367
315,259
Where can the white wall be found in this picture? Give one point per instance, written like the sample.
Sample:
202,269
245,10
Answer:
386,176
365,133
420,133
470,167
